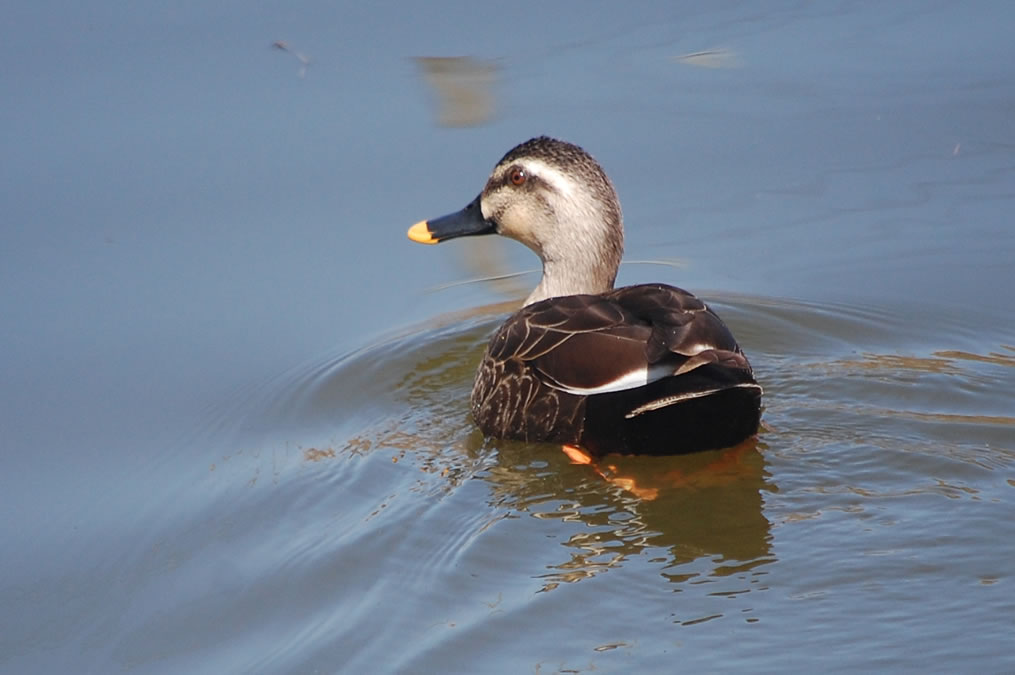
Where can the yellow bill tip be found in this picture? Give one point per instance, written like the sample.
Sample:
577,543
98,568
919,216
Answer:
420,233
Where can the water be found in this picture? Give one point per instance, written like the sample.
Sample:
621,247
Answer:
235,422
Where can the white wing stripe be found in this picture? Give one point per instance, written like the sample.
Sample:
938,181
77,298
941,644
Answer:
629,380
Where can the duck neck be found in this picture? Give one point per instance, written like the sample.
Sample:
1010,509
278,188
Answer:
568,278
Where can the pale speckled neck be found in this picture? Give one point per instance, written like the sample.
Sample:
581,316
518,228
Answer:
569,279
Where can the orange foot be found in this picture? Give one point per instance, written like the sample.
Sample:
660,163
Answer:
579,456
576,454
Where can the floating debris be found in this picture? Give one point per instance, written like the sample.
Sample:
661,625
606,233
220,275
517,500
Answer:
710,58
303,58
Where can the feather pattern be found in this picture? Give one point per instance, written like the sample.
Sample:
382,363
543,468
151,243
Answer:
529,385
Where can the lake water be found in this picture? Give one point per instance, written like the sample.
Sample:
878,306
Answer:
234,405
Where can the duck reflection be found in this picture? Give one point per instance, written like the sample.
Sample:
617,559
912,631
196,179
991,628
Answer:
704,506
704,518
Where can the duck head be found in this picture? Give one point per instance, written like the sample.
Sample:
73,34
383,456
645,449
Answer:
553,197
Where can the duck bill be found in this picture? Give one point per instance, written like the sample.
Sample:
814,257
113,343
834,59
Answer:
467,222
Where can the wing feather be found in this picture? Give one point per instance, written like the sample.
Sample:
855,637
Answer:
624,339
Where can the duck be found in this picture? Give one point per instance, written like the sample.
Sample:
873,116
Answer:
647,369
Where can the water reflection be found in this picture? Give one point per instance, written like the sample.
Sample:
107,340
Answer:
463,88
708,506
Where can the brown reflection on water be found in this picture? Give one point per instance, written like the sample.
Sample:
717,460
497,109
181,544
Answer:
318,454
708,506
893,362
1003,420
464,88
943,361
995,358
958,366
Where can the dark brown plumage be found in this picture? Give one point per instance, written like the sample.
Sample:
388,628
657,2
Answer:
645,369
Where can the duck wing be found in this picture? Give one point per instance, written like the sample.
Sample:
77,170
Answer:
625,339
608,372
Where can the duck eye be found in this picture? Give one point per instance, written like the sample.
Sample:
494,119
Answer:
518,175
